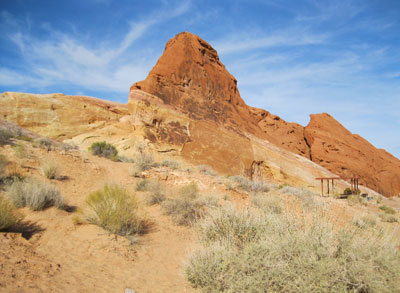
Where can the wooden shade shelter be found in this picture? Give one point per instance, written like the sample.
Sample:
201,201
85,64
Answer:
330,183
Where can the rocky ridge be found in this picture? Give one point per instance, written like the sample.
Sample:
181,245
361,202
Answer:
190,78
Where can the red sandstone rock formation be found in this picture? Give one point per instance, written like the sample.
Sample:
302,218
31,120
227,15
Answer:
190,78
346,154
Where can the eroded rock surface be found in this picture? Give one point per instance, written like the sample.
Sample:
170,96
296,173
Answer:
189,78
346,154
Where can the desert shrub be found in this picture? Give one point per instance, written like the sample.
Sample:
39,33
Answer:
211,200
347,191
364,222
280,253
354,199
388,218
207,170
8,216
51,171
115,210
142,185
248,185
142,162
3,164
387,210
305,196
155,193
172,164
125,159
5,136
19,150
267,203
104,149
229,227
187,207
189,191
44,142
34,194
66,147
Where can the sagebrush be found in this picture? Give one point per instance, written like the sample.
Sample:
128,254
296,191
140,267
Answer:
187,207
35,194
104,149
270,252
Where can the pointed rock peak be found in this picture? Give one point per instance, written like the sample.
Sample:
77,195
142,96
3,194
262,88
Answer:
190,76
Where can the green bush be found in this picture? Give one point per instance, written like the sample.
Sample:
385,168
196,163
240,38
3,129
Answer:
8,216
281,253
187,208
115,210
34,194
104,149
387,210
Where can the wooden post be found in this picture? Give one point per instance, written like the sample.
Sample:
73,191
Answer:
322,187
327,181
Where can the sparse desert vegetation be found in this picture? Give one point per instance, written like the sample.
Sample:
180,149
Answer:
270,252
116,210
34,194
186,207
9,217
104,149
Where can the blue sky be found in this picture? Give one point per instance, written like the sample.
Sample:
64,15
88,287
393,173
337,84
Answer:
292,58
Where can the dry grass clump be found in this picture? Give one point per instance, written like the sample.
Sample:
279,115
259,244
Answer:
356,199
305,196
187,207
365,222
155,192
8,216
172,164
5,136
207,170
281,253
34,194
115,210
44,142
267,203
248,185
104,149
51,171
143,161
388,218
387,210
3,164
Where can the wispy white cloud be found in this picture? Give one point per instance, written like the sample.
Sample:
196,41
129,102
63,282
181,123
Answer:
237,42
65,59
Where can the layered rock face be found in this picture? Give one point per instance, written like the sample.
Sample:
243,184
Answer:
189,78
57,115
346,154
